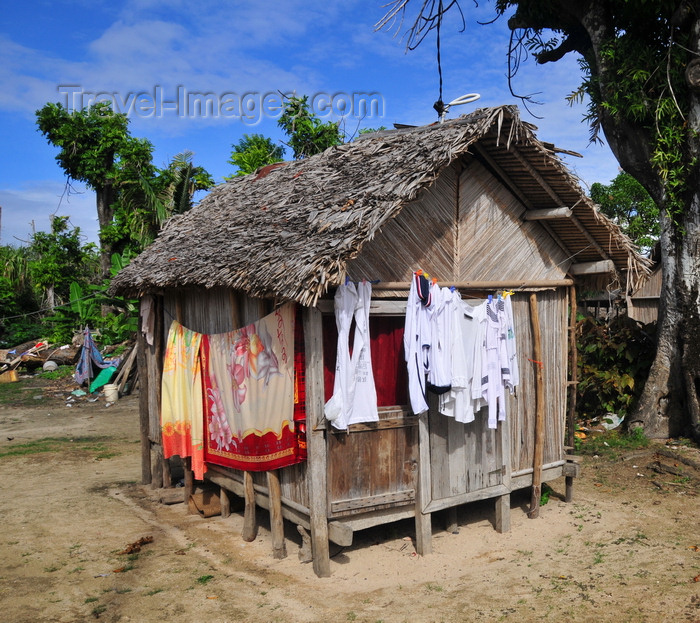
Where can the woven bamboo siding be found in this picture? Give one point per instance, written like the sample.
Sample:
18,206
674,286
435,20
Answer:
495,244
218,311
552,307
422,236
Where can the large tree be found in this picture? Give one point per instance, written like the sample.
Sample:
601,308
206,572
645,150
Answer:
640,65
96,148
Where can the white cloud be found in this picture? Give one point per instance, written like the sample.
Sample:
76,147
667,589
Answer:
29,208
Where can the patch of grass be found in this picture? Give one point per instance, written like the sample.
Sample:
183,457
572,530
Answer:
51,569
62,372
612,443
98,610
203,579
122,591
59,444
154,591
89,600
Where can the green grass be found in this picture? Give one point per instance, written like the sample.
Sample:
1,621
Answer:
94,445
612,443
203,579
62,372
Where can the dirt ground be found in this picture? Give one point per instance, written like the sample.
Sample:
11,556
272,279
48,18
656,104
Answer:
627,548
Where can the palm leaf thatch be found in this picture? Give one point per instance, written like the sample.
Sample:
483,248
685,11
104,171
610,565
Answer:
289,231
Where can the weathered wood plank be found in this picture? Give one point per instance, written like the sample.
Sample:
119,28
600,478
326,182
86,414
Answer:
250,522
316,442
373,500
424,545
279,549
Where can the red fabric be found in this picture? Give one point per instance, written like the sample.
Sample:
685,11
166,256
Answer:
388,362
261,452
299,386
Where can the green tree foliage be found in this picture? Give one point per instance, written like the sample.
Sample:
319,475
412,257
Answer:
18,302
96,148
252,152
58,258
307,134
629,205
147,202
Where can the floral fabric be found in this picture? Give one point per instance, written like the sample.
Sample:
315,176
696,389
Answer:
182,414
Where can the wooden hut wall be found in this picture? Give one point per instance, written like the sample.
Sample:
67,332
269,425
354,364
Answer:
219,311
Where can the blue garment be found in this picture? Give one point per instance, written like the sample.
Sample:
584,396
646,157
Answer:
89,356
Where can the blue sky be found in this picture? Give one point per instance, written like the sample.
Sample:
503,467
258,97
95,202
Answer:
146,55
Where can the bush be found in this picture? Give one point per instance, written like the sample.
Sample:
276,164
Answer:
613,363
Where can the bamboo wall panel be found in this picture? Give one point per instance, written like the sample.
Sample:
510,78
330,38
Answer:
421,236
552,308
644,311
494,241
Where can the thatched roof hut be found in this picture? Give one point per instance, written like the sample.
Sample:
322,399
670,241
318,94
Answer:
481,204
290,231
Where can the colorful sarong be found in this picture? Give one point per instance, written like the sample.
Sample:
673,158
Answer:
181,413
249,390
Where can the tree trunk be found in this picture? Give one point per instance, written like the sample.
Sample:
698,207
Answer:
105,213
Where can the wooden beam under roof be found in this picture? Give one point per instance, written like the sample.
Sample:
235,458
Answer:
592,268
551,192
548,214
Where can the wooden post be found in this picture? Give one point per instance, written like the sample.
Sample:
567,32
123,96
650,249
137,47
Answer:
317,466
250,522
157,467
144,417
539,400
503,513
573,382
424,530
279,549
167,476
189,481
225,502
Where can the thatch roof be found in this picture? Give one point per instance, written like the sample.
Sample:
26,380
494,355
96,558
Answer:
290,231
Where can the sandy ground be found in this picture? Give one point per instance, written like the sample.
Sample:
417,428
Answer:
625,550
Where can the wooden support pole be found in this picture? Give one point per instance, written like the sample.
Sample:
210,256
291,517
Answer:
157,467
189,480
144,417
503,513
279,549
225,502
573,382
167,475
424,529
539,418
317,464
250,522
